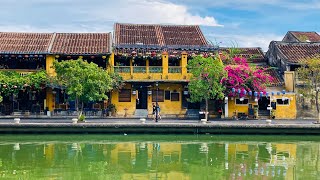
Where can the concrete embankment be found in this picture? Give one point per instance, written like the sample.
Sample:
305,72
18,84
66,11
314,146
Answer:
162,128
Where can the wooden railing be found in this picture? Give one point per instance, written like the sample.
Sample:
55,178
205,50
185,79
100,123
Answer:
155,69
139,69
174,69
122,69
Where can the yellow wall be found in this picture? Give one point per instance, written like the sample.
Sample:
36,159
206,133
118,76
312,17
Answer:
282,111
121,106
167,107
289,80
287,111
50,99
49,63
232,107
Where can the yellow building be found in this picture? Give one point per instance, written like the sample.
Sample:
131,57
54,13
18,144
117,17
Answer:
278,101
24,53
153,59
31,52
92,47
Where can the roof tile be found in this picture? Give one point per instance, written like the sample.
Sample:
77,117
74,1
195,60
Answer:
81,43
306,36
24,43
253,55
158,35
296,52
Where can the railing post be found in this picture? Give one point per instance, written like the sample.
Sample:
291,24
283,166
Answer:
184,63
131,67
165,64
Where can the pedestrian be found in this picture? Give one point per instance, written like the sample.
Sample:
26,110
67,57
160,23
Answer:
154,111
158,116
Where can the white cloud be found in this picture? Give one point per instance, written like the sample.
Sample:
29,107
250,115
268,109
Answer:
93,15
256,4
149,11
252,40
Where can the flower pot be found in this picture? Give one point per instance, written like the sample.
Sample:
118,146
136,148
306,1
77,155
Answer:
268,121
142,120
74,120
16,120
203,121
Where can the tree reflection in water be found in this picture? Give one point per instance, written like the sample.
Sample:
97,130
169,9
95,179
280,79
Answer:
154,157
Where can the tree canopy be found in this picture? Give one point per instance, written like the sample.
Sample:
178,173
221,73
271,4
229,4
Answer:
204,84
206,76
309,74
85,81
12,82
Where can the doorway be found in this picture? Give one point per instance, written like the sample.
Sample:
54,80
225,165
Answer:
263,103
142,98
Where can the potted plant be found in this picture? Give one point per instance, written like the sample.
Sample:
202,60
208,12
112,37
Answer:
112,108
82,118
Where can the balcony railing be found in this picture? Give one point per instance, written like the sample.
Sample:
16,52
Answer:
155,69
122,69
174,69
139,69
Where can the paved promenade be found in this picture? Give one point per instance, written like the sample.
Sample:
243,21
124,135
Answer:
174,126
164,121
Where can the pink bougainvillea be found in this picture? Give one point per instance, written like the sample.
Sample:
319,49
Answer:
244,78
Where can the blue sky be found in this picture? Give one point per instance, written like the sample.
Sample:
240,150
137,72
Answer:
239,23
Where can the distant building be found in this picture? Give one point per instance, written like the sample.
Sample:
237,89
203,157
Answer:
298,36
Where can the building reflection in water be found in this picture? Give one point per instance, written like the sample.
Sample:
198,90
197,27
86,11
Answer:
160,160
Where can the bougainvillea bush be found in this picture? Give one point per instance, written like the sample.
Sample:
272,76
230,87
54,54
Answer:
241,76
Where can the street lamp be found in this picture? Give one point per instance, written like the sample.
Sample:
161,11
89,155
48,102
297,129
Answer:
157,102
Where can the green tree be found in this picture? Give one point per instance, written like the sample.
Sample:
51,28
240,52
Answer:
309,73
84,81
12,82
205,80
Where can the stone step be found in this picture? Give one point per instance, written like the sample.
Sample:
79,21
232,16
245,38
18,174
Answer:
141,113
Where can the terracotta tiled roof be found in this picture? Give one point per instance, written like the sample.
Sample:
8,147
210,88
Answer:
183,35
158,35
137,34
277,80
253,55
81,43
295,52
25,43
306,36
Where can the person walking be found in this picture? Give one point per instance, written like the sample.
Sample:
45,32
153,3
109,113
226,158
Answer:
154,111
158,116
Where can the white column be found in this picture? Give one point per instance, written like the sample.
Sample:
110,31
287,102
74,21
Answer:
226,110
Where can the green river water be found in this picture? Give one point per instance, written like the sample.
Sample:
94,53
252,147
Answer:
159,157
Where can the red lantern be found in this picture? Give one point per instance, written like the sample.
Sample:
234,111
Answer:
26,56
153,54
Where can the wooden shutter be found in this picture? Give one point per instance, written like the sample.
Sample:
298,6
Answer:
160,95
125,95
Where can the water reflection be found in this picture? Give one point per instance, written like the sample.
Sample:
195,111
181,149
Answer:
159,159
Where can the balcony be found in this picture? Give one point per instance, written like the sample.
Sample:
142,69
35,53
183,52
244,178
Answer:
139,69
122,69
174,69
155,69
150,73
